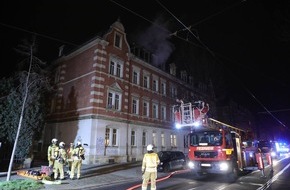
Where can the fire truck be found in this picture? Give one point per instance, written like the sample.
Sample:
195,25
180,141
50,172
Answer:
215,147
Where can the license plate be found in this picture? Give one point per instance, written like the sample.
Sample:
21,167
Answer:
206,165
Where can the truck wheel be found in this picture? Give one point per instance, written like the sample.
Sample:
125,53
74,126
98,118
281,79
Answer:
233,175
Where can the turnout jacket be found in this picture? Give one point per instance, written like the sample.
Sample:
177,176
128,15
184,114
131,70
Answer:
78,153
150,162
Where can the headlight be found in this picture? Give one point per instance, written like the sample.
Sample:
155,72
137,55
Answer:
190,164
273,153
224,166
161,163
251,154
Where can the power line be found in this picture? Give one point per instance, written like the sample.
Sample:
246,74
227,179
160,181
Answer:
213,15
211,52
276,111
37,34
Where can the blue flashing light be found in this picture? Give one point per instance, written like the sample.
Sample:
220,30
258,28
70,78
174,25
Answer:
178,126
196,124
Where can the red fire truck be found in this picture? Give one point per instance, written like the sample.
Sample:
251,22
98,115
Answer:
215,147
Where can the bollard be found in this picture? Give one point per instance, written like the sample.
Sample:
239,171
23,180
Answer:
269,160
260,163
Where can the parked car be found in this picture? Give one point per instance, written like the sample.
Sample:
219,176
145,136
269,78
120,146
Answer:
171,160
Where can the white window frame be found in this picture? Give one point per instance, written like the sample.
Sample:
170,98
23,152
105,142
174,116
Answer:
116,67
118,40
155,110
163,88
145,108
133,138
155,84
146,80
111,137
136,76
114,100
135,106
173,91
163,112
144,138
173,140
162,136
154,138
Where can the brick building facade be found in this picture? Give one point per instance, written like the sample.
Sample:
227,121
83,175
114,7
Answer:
115,102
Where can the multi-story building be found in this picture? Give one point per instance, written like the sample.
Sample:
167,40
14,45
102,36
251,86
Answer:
117,103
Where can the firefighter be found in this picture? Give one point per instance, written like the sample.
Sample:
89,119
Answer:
78,155
69,157
149,168
51,152
60,161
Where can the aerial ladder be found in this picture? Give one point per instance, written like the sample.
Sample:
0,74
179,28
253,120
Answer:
231,149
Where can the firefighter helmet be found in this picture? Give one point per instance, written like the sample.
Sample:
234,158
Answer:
54,141
61,144
149,147
79,143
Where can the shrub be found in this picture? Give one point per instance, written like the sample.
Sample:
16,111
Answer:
21,184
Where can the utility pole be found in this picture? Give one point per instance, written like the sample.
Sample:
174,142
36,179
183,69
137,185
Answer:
21,117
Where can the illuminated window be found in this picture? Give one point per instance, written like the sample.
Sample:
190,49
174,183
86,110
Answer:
173,140
154,139
162,140
107,137
111,137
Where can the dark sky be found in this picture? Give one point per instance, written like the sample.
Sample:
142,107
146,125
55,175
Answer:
249,38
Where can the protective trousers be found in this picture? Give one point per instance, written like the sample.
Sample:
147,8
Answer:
76,165
58,169
152,176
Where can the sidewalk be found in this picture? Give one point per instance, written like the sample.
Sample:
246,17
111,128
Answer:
94,176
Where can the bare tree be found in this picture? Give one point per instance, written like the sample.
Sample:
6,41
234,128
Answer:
24,116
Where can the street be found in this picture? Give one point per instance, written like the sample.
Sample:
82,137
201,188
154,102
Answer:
274,180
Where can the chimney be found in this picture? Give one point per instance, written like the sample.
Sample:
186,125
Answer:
60,51
172,69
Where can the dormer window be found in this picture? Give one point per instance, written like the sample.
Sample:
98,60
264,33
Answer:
173,69
118,40
183,75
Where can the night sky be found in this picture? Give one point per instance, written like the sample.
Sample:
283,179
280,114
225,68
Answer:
250,39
